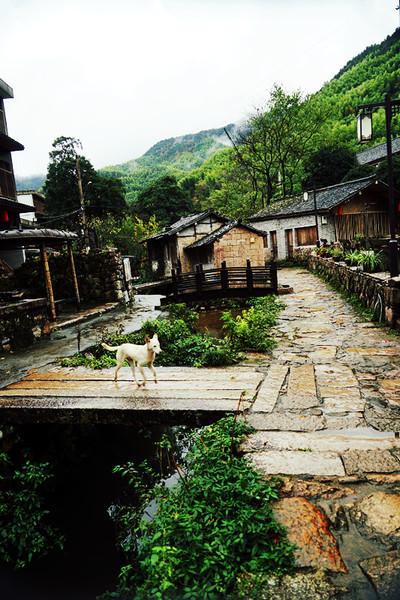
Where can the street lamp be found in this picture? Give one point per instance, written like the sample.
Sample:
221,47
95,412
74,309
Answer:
364,127
364,132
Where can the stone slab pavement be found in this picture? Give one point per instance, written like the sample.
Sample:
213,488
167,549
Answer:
327,417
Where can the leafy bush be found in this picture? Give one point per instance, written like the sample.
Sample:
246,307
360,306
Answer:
25,533
352,258
183,346
182,311
251,330
180,345
214,525
370,260
337,254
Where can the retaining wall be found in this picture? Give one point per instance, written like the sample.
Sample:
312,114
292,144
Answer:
22,322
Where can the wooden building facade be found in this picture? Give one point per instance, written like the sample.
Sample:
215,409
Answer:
205,238
336,213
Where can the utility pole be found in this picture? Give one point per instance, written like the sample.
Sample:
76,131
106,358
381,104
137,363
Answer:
84,231
398,8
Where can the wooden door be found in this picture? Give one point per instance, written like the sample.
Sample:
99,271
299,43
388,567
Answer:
289,242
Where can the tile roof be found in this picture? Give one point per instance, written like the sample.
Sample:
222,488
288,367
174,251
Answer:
218,233
24,235
326,199
182,223
377,153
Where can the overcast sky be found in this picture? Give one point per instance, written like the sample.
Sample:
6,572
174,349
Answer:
124,74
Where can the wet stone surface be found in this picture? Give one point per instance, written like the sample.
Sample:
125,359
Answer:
384,573
328,431
308,529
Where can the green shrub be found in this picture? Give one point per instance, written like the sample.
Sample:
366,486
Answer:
370,260
352,258
25,533
251,330
210,528
180,345
182,311
337,254
183,346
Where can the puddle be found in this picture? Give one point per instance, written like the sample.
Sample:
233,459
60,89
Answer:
210,321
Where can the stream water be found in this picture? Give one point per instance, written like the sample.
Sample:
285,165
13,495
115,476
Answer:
81,494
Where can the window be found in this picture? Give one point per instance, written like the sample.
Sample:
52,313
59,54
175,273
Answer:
306,236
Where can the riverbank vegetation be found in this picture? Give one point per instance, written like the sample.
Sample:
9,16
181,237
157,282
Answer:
26,532
208,531
184,345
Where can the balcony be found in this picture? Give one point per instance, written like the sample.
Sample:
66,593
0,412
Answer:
7,183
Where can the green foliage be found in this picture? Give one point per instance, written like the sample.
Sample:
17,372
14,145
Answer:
213,526
328,165
251,330
25,533
126,234
174,157
276,141
337,254
181,345
103,194
370,260
222,185
164,199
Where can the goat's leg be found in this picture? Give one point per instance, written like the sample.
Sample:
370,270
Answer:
119,365
143,375
131,363
154,372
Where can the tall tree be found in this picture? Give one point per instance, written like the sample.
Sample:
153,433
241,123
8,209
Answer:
276,140
67,171
328,165
165,199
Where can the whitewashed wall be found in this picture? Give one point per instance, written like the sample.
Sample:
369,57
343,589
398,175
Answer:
326,229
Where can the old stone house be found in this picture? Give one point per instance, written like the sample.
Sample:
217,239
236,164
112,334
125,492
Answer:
205,238
334,213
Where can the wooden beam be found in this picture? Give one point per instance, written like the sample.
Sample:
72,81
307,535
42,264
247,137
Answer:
74,277
47,281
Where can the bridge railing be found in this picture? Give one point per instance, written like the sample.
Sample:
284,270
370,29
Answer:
248,279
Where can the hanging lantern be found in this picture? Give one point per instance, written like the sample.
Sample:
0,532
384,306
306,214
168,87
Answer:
364,127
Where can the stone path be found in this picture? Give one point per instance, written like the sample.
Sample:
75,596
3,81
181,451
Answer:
332,390
325,418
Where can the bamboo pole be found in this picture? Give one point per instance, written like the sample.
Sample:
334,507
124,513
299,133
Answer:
74,277
47,281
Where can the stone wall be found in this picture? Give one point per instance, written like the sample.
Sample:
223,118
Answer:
22,322
238,245
101,277
379,294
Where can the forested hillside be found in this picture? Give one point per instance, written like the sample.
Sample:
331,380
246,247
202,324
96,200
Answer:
365,78
235,181
174,156
213,176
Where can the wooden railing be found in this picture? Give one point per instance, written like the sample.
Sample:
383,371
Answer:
223,282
